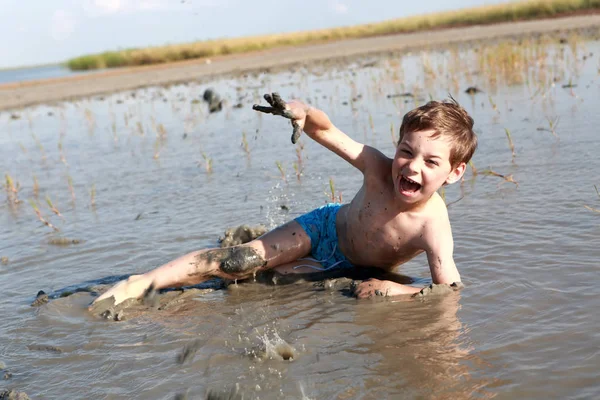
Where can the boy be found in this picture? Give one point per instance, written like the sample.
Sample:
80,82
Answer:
396,215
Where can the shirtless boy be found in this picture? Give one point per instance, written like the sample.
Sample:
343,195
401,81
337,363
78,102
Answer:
396,215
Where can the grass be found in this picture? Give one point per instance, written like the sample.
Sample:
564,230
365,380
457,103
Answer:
506,12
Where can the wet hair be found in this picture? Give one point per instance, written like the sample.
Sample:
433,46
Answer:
448,120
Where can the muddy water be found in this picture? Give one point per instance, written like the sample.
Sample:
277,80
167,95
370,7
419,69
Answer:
524,326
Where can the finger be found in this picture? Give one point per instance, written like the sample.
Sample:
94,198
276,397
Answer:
297,132
278,101
269,99
267,110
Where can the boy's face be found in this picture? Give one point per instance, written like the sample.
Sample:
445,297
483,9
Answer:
422,165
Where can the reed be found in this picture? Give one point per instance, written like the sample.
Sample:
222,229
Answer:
245,144
36,187
93,195
12,190
71,189
506,178
41,217
332,194
281,170
591,208
208,163
511,145
63,159
510,11
52,207
473,169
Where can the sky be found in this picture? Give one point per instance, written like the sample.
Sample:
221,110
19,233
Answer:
34,32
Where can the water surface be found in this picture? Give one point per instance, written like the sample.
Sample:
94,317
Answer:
524,327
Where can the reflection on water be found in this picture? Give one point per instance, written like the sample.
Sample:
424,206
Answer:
140,178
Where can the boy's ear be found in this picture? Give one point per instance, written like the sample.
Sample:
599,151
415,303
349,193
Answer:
456,173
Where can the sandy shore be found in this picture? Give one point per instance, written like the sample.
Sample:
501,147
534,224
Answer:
18,95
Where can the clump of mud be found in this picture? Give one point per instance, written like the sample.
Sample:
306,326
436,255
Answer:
13,394
437,290
40,299
213,99
6,374
63,241
241,234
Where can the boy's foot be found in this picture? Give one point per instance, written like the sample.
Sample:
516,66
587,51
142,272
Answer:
133,287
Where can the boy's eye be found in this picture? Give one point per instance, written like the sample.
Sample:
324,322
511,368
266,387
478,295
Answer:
432,162
405,151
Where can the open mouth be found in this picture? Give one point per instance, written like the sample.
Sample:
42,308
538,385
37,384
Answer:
408,187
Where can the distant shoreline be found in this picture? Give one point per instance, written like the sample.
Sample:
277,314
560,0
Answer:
48,91
509,11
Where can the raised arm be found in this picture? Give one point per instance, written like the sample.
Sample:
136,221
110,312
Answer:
319,127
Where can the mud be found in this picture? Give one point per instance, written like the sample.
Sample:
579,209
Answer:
6,374
439,290
40,299
45,347
278,107
63,241
241,234
13,394
233,261
473,90
153,301
215,103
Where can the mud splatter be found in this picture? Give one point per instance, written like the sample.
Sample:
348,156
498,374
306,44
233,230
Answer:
241,234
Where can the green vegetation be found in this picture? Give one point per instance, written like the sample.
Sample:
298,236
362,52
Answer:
513,11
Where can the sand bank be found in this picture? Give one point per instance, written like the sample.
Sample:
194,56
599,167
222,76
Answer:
17,95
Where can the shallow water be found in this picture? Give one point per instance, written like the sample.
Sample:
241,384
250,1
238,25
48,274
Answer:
35,73
525,326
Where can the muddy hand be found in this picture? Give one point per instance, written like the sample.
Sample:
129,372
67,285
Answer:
279,107
133,287
370,288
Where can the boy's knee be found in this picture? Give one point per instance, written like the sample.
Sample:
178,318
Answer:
235,261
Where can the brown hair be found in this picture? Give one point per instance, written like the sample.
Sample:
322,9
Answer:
449,120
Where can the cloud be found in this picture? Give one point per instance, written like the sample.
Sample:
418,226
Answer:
62,25
107,7
338,7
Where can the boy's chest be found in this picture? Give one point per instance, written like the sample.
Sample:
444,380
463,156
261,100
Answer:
381,237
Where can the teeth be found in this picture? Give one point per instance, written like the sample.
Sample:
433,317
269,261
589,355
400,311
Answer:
410,180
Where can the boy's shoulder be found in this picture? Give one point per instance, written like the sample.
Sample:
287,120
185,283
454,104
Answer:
435,225
435,210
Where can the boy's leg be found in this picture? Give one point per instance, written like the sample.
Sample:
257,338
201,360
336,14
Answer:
282,245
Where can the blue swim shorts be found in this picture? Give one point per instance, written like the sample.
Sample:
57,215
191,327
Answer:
319,225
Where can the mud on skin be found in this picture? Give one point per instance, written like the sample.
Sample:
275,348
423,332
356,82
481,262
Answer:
236,262
278,108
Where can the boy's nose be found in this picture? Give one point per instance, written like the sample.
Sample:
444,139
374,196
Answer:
413,167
